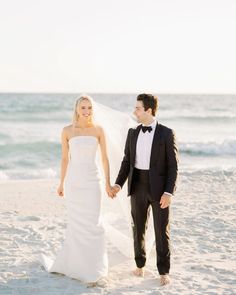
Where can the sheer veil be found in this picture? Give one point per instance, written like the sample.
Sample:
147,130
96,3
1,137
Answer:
116,212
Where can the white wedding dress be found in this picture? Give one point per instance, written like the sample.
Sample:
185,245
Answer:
83,255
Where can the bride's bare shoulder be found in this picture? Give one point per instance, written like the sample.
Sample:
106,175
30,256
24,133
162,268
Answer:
99,129
67,129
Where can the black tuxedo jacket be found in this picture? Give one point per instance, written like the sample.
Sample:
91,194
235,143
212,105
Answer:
163,168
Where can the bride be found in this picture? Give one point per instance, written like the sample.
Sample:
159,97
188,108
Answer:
83,255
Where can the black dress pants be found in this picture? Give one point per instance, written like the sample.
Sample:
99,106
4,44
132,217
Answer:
140,206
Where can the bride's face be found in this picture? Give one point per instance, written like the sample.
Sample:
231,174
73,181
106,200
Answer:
85,110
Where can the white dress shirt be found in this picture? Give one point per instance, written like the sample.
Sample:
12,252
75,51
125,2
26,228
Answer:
143,148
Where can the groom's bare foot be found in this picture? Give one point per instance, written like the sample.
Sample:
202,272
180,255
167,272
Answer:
164,279
139,272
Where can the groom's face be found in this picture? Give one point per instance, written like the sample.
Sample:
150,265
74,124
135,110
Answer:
140,112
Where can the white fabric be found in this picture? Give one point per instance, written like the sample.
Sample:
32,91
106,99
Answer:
143,148
83,254
117,212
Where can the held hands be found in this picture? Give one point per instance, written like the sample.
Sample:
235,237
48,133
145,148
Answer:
112,190
109,190
165,201
116,188
60,190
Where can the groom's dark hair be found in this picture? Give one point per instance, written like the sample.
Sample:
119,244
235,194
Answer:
149,102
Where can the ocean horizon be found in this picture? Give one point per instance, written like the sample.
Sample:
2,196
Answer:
31,124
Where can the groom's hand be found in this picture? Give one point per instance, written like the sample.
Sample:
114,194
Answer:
165,201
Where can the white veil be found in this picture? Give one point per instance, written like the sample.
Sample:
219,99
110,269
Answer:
116,212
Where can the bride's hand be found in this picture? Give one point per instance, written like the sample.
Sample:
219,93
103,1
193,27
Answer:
60,191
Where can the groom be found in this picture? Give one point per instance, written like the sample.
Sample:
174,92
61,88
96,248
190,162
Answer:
151,165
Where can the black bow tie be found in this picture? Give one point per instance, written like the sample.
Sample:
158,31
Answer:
146,128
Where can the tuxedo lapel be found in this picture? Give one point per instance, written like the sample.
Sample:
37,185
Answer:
155,145
134,143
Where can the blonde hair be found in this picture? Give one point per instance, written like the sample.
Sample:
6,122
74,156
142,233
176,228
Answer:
77,102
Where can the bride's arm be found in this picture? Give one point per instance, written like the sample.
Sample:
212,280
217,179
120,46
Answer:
105,161
64,161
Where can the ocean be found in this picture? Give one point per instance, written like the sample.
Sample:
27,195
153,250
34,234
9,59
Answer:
31,124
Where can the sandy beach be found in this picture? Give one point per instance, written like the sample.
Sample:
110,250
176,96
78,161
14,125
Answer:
202,234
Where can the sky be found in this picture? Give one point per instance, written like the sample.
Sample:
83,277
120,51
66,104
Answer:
123,46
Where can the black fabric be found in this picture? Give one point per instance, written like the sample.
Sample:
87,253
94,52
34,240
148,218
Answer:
141,201
146,128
